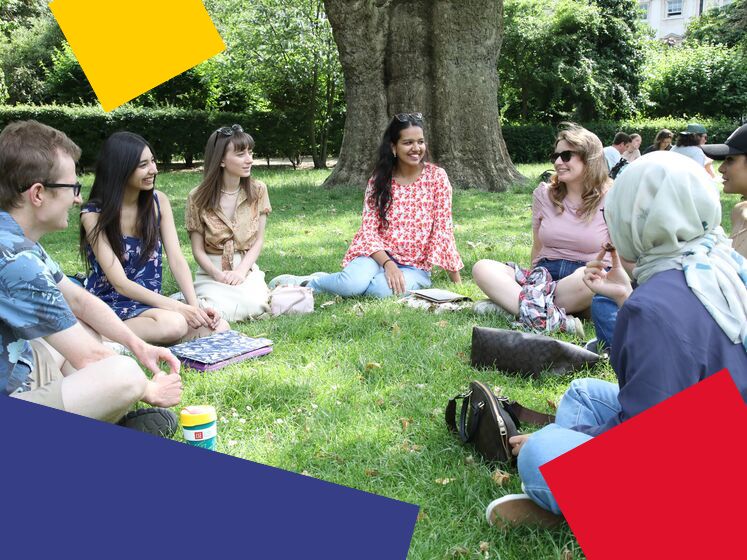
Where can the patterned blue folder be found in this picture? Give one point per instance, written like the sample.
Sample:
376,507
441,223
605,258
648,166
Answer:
219,350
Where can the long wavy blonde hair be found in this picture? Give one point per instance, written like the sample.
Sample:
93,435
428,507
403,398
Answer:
596,179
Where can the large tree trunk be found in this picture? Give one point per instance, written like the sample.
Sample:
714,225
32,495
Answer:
438,57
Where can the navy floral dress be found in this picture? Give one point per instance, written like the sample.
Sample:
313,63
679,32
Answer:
148,273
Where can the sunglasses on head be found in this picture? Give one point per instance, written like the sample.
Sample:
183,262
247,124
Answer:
565,155
75,186
227,131
405,117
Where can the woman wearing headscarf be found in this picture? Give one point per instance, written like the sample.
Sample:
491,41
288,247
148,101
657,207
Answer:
686,320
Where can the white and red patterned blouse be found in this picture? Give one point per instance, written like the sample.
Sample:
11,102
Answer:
419,232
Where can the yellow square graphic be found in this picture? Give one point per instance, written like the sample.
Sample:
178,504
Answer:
127,47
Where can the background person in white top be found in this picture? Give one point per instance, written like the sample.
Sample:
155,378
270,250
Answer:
613,153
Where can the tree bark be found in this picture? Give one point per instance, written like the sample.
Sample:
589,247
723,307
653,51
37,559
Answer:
437,57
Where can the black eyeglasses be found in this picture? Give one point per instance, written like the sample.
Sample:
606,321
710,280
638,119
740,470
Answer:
405,117
75,186
565,155
227,131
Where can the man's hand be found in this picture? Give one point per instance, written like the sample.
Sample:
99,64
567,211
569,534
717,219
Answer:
150,355
517,442
165,390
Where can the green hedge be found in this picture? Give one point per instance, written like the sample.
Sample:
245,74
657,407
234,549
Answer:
533,142
173,133
182,133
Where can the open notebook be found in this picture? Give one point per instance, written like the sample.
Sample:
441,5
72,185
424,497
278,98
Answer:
437,295
219,350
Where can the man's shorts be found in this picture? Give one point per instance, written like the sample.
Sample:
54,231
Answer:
46,379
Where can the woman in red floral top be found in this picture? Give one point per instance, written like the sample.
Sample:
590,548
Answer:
407,227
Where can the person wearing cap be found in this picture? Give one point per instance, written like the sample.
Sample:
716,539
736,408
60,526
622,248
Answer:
733,154
690,142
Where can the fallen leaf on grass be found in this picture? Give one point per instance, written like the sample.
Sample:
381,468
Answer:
420,385
396,329
566,554
444,481
405,423
442,324
436,412
358,310
421,515
373,365
411,447
469,460
484,546
552,404
379,402
459,551
371,472
326,304
500,477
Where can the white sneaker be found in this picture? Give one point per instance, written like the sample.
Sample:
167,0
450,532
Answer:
575,326
486,306
519,509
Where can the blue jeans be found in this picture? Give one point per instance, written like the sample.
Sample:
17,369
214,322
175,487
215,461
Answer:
365,277
604,315
587,402
560,268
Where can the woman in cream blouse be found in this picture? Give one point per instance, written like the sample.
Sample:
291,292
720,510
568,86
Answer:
226,216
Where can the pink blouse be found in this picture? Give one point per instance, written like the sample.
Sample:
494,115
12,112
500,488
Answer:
566,235
419,231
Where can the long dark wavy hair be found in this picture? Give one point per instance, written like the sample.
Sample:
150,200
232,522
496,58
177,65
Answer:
207,195
385,164
118,159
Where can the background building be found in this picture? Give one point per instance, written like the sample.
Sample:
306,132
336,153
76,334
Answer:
670,17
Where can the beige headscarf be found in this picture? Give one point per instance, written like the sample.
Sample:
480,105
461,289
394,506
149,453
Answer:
664,213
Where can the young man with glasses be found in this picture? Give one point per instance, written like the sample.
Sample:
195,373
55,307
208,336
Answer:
46,355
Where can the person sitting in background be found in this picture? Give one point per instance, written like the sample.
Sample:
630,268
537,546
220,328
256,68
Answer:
567,231
734,171
663,141
689,144
633,152
226,217
47,355
123,228
613,153
686,320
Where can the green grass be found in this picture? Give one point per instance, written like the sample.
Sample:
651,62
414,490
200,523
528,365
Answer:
355,393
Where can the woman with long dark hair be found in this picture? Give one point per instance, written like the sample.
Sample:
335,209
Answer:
406,227
124,226
226,216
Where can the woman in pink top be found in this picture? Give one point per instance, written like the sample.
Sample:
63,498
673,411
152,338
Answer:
568,230
406,227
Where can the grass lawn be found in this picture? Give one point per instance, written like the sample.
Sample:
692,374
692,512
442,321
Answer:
355,393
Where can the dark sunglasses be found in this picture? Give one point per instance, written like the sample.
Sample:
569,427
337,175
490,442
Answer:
565,155
75,186
405,117
227,131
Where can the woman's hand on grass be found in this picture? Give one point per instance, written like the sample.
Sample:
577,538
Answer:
394,277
